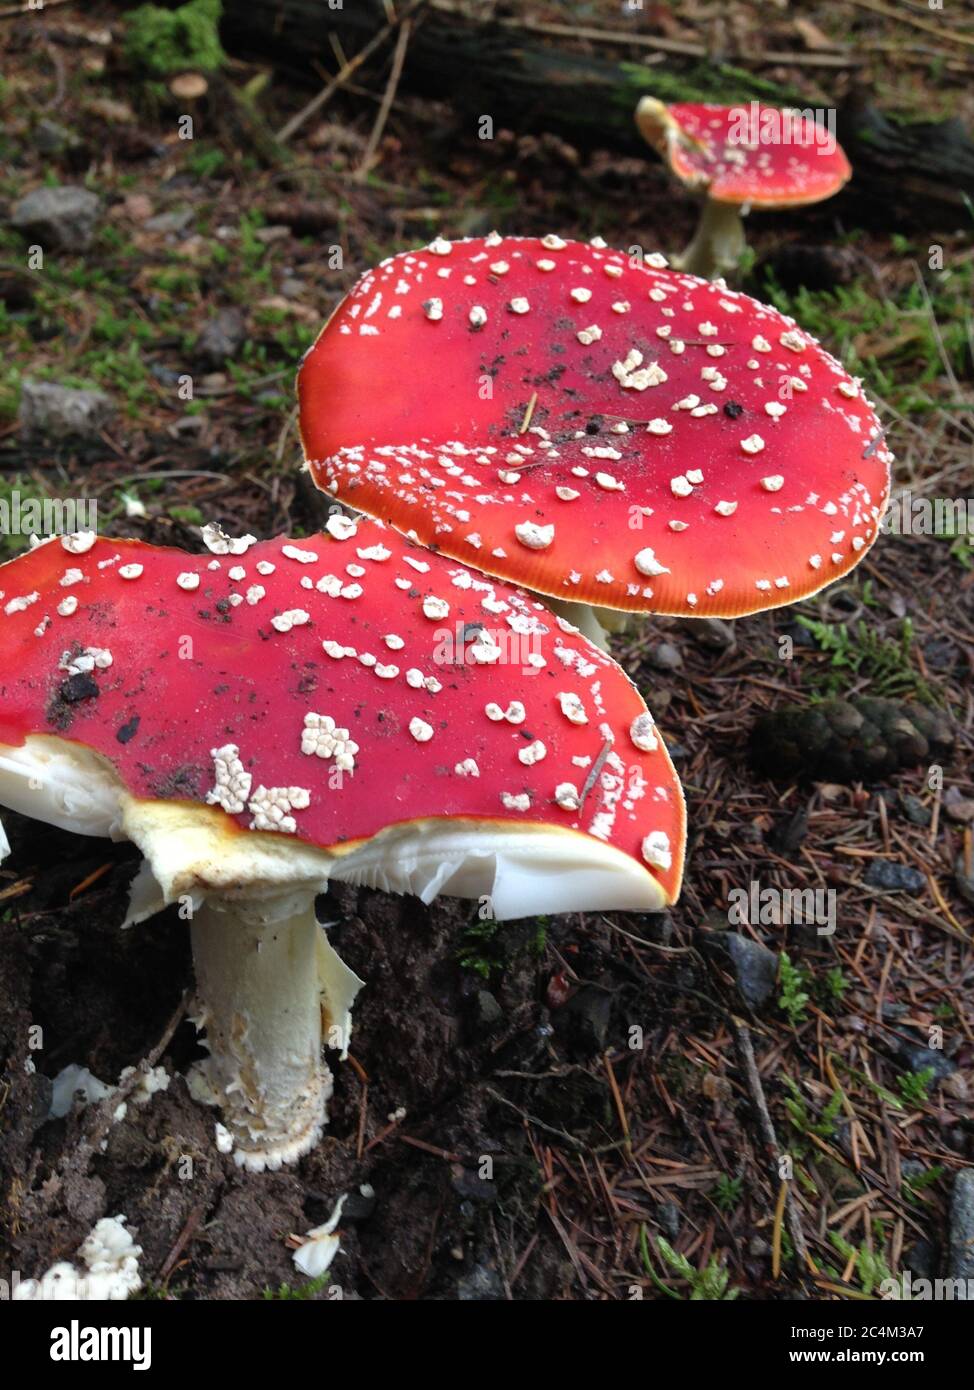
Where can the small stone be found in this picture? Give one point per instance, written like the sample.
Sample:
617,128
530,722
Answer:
583,1023
51,137
957,807
714,633
222,337
359,1205
800,636
956,1086
668,1216
755,968
963,879
47,409
664,656
894,877
912,1168
61,218
787,835
940,654
915,811
961,1256
916,1058
484,1012
175,221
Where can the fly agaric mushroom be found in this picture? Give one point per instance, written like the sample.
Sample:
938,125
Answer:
603,433
738,158
270,717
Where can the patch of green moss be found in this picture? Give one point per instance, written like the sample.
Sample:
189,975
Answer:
897,341
164,42
288,1293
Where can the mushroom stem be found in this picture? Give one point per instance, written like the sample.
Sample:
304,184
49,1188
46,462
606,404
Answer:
614,620
258,981
718,243
597,624
580,615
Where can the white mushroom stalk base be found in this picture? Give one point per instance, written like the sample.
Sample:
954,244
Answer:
260,1008
260,986
718,244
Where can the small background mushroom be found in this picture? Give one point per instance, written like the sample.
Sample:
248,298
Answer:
738,158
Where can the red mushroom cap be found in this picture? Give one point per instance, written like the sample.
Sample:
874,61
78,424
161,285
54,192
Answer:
248,680
689,450
765,156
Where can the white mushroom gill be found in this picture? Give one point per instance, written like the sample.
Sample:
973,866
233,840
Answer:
75,791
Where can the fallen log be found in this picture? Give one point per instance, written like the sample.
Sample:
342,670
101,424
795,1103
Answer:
906,174
487,67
